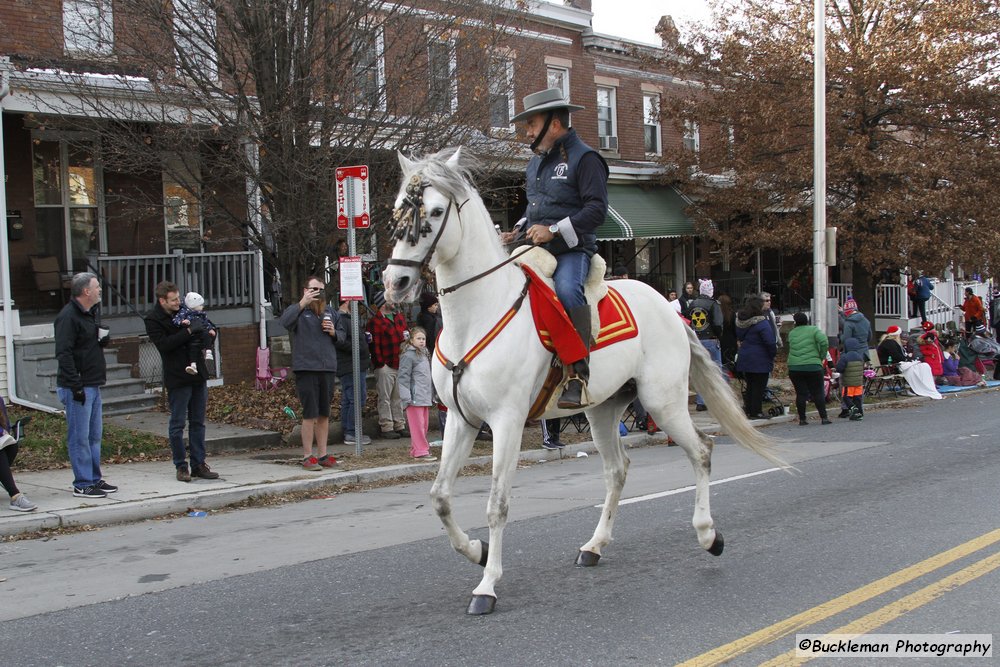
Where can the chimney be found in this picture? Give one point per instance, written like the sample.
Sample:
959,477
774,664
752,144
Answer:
579,4
669,35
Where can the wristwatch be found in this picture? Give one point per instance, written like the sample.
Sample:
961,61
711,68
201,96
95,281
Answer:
554,230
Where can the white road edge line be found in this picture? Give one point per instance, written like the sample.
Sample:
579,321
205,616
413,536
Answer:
685,489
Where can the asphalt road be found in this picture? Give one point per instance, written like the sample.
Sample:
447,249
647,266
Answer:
873,534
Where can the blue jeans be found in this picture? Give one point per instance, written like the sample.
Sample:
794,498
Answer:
712,345
187,403
571,271
347,403
84,430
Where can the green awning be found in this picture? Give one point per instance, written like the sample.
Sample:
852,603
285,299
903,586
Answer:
635,212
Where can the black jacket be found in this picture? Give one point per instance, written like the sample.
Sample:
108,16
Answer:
171,341
80,357
345,362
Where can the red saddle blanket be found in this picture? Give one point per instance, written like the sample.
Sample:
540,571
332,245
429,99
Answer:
556,331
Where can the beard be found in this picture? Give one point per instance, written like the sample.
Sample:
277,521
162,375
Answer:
318,307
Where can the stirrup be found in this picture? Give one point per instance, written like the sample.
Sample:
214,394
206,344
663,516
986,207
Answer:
572,402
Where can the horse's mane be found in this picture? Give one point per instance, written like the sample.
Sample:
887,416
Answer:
451,179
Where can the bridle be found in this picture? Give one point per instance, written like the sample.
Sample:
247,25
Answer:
410,224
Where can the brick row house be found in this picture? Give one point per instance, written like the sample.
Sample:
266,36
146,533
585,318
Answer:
71,207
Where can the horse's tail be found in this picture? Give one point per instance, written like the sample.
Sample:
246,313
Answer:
719,397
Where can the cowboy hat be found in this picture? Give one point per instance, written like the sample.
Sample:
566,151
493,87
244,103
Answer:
544,100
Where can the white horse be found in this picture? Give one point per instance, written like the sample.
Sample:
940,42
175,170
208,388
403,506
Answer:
442,225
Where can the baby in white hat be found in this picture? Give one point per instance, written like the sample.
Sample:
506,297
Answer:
192,315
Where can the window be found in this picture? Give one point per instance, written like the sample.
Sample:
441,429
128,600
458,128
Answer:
194,39
66,187
607,133
443,92
88,27
501,77
651,122
692,136
369,68
558,77
729,140
182,204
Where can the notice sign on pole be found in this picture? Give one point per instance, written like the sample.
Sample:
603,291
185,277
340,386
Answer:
352,197
351,286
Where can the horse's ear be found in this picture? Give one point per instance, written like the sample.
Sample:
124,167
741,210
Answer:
405,163
453,160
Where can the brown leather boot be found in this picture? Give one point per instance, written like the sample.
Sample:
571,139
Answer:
572,396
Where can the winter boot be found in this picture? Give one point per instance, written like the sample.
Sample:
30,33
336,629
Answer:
572,397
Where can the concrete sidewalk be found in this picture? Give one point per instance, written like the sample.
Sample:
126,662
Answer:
150,489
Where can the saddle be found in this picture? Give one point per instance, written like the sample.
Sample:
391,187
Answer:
543,265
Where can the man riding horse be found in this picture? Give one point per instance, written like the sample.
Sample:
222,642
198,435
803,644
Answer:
567,189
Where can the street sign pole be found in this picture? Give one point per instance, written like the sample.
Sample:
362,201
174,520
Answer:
360,390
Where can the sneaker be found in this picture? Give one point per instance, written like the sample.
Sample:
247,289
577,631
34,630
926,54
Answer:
844,414
89,492
426,458
202,470
826,421
353,440
403,433
552,446
857,417
311,463
20,503
209,355
803,422
701,407
328,461
183,473
106,488
191,369
391,435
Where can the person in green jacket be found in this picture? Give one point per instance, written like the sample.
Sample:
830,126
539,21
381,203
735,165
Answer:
807,348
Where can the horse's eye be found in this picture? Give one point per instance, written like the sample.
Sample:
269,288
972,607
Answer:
437,212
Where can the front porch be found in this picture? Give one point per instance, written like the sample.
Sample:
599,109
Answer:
892,305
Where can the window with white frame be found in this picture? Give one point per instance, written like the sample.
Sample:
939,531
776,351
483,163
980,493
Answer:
88,27
558,77
195,39
692,136
501,83
182,203
607,123
651,122
369,67
442,96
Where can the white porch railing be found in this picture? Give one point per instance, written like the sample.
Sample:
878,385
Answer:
892,302
225,279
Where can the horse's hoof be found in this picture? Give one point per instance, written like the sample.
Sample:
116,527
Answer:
485,555
587,559
481,605
717,545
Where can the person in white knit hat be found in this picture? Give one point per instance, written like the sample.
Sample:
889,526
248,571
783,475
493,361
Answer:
192,314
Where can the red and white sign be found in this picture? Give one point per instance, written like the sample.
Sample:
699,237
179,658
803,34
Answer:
354,181
352,287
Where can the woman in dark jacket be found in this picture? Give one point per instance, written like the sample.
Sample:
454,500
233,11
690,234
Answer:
756,355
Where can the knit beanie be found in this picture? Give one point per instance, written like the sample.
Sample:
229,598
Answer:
194,301
850,306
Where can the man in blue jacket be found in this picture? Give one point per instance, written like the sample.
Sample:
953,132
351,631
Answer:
567,190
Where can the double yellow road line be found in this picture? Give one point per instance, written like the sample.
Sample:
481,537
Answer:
870,621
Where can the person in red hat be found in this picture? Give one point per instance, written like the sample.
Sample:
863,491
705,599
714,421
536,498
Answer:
930,348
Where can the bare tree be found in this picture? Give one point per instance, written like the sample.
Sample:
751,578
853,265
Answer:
912,130
232,98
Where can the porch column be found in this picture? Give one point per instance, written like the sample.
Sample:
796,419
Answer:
253,215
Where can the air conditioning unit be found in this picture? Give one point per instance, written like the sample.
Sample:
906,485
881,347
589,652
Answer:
608,143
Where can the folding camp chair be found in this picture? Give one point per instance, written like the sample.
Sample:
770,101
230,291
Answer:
267,377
